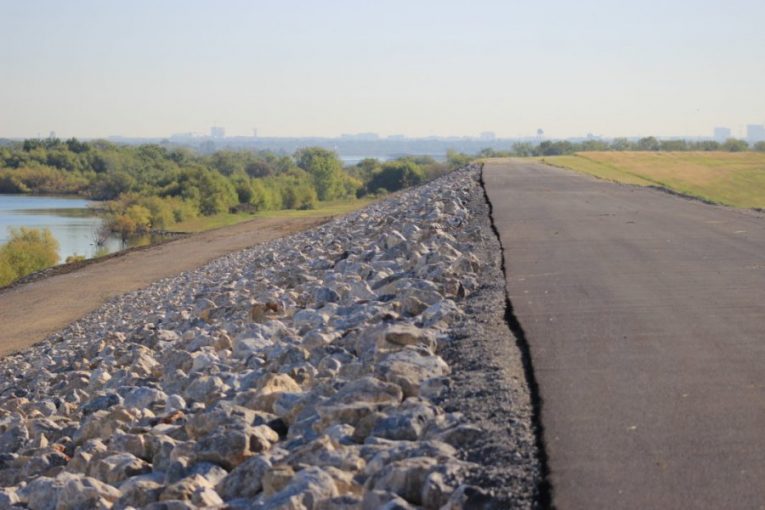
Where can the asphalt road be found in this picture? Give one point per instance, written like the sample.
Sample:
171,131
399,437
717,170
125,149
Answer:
645,318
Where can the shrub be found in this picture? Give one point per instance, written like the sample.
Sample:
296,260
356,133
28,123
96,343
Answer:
243,185
27,251
160,212
302,197
457,159
182,210
123,225
12,184
396,175
734,145
141,216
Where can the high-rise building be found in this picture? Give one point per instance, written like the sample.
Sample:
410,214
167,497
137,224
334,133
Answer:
488,135
755,133
721,134
217,132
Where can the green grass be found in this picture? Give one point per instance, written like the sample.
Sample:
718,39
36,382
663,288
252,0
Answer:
323,210
734,179
203,223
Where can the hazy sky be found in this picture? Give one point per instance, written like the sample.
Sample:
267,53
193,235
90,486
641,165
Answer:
414,67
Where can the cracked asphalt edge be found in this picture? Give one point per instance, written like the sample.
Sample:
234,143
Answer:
492,382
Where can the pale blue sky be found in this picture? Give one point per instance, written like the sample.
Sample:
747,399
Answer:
150,68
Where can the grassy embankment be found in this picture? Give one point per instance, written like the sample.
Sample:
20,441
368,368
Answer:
736,179
322,210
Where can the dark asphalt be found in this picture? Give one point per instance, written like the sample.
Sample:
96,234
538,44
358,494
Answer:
645,317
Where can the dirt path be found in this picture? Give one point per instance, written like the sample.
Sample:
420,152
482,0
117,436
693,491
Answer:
31,312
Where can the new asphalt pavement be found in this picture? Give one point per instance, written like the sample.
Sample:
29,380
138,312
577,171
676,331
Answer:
645,318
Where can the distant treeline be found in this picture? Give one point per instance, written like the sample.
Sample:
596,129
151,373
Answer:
152,187
649,143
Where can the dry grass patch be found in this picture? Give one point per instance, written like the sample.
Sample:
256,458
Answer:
736,179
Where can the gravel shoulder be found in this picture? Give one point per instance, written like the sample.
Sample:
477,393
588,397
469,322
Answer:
489,384
30,312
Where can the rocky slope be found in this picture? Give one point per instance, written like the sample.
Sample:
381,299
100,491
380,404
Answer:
363,364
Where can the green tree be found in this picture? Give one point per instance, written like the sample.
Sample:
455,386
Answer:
111,185
673,145
555,148
594,145
621,144
707,145
735,145
300,196
217,194
325,170
262,197
228,162
396,175
648,143
10,183
523,149
759,146
243,185
457,159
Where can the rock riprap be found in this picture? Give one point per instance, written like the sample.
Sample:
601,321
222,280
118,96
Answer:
302,373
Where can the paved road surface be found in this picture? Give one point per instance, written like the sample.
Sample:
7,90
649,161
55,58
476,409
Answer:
29,313
645,316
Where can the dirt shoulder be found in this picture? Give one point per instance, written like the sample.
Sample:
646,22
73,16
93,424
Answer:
31,312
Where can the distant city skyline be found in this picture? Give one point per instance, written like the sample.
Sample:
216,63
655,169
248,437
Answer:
90,69
749,132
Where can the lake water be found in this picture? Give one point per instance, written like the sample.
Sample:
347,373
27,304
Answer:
71,220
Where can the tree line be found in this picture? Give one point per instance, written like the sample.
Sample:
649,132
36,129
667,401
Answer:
150,187
648,143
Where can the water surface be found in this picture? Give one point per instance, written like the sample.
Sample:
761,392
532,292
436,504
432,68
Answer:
73,222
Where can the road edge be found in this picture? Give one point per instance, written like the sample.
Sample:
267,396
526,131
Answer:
544,489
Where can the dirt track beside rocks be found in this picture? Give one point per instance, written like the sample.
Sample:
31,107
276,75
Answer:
31,312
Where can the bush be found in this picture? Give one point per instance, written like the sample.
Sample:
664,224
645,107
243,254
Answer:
734,145
124,226
182,210
27,251
40,179
243,185
141,216
396,175
457,159
12,184
160,212
302,197
7,274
